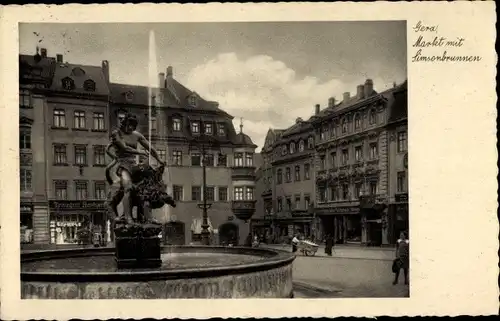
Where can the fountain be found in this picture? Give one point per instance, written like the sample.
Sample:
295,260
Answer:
139,267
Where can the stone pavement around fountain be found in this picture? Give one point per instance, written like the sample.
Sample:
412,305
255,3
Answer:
346,251
343,278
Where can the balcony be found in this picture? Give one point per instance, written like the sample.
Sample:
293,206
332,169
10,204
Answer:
243,210
243,173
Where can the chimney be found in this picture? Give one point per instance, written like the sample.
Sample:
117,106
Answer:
105,70
161,80
59,58
368,88
347,96
331,102
170,71
43,52
298,120
316,109
360,93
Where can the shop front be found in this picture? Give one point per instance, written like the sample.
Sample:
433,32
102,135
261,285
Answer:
374,222
26,233
343,223
79,222
399,220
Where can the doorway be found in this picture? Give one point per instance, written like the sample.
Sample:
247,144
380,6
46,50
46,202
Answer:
228,234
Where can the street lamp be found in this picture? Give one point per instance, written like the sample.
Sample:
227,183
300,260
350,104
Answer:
204,143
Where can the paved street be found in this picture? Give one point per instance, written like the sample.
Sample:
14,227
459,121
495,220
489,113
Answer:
327,277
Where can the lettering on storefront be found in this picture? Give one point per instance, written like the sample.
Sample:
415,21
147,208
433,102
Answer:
76,205
402,198
26,208
341,210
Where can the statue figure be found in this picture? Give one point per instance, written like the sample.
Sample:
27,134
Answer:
139,184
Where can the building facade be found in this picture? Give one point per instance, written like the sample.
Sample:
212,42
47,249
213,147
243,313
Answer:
353,166
174,117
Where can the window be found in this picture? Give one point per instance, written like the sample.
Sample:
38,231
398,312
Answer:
153,123
178,193
279,179
209,130
402,142
223,194
345,191
81,190
333,159
60,156
176,125
249,159
24,98
61,190
322,194
59,118
307,169
345,156
221,130
162,154
98,121
301,146
280,204
292,148
307,201
373,188
193,100
195,193
238,193
322,162
357,190
222,160
26,179
373,150
288,204
210,193
249,193
288,175
195,127
79,119
333,193
401,181
25,138
100,190
208,160
238,159
344,126
372,117
284,150
89,85
323,133
99,158
195,159
297,202
297,173
68,83
357,121
80,155
177,157
310,143
358,154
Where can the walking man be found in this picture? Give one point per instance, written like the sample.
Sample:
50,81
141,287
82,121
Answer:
402,257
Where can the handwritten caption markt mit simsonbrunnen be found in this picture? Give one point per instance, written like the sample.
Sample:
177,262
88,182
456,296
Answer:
425,42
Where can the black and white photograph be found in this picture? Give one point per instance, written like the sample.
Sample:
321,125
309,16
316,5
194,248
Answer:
214,160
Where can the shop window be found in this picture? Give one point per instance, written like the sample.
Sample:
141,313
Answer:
195,193
178,193
223,194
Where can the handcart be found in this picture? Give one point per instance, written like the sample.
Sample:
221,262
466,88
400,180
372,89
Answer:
307,248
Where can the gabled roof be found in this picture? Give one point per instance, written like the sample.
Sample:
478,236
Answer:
74,71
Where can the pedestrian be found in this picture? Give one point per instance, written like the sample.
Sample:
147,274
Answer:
402,257
295,242
328,244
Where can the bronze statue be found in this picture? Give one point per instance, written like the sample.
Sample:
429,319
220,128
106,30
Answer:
139,183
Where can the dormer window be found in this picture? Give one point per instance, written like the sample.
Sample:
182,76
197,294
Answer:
176,125
284,150
158,100
222,130
208,128
129,96
77,72
292,148
89,85
195,127
301,146
310,143
68,83
372,117
193,100
357,121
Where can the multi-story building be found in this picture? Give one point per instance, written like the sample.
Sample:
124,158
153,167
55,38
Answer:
352,165
68,134
174,117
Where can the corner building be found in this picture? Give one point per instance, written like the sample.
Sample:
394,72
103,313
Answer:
174,116
353,165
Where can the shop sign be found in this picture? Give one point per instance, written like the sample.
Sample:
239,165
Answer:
77,205
300,213
68,224
26,208
340,210
401,198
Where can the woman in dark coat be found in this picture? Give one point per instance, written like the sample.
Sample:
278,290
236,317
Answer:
329,245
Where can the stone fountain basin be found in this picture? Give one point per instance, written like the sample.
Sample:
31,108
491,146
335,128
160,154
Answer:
186,272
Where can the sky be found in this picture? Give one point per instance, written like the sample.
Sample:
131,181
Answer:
268,73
